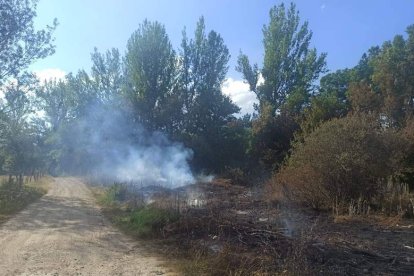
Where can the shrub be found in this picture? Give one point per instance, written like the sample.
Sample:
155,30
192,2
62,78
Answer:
343,160
115,193
148,221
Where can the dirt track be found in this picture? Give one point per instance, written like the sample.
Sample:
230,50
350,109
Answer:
64,233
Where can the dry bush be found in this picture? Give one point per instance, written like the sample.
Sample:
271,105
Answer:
341,161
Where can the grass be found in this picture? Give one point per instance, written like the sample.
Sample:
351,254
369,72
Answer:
142,222
185,240
110,197
148,223
14,197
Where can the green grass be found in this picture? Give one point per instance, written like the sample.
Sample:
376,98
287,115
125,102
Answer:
14,197
112,196
147,221
143,222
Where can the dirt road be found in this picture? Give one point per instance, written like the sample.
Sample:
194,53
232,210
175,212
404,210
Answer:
64,233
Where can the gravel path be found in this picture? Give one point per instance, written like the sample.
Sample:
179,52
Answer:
64,233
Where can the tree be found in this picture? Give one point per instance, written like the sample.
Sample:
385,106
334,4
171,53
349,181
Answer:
19,145
20,43
107,75
271,138
289,68
331,101
393,78
206,110
57,101
149,72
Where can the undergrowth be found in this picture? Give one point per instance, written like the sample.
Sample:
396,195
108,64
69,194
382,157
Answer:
143,222
16,195
186,237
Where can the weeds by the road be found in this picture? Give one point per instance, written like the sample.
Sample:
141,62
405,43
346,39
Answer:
15,195
143,221
200,241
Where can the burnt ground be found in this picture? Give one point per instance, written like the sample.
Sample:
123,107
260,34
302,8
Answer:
242,233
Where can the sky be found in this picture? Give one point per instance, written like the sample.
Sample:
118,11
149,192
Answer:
342,29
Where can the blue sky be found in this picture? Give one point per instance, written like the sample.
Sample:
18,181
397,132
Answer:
343,29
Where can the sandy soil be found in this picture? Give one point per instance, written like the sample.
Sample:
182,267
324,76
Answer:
64,233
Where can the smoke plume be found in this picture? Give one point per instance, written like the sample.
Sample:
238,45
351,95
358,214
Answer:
119,149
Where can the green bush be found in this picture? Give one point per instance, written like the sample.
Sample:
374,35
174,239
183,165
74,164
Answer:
148,221
115,193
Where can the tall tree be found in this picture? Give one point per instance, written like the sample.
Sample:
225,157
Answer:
203,67
283,85
149,72
18,145
20,43
393,78
290,66
107,75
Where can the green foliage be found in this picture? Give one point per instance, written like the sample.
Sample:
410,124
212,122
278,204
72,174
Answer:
107,76
20,43
149,72
21,143
113,194
206,126
331,102
393,79
290,67
148,221
271,137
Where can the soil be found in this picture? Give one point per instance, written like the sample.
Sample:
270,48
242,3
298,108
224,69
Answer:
64,233
285,238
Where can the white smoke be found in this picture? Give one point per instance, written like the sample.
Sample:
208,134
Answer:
165,165
123,151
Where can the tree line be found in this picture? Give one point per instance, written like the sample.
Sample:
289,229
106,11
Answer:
346,129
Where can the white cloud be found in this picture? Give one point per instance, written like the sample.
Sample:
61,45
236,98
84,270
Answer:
241,95
50,74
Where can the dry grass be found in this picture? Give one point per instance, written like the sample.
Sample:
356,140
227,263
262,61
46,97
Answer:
236,232
42,184
15,197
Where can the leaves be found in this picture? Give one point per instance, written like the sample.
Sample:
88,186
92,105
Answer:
20,43
290,67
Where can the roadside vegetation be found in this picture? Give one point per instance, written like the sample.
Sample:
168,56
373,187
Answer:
15,195
140,220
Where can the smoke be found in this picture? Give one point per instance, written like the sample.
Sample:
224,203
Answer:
118,149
